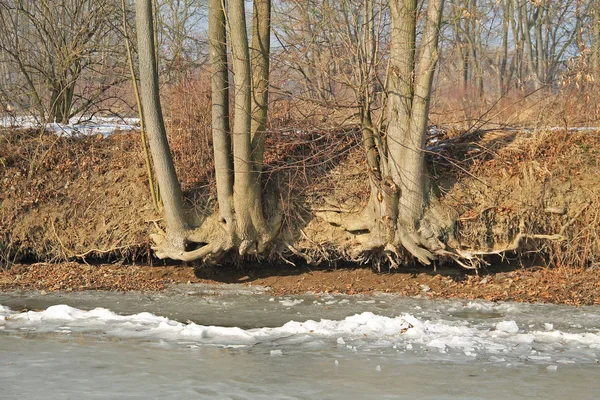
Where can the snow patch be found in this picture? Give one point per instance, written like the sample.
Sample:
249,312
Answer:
437,343
77,126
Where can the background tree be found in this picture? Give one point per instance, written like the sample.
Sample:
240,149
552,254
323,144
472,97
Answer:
596,42
181,38
63,56
332,52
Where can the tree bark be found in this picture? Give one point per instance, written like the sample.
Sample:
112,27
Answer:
261,49
155,127
220,111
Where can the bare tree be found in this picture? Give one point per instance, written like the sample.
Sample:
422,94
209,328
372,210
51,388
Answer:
170,189
63,55
332,60
181,38
401,211
596,41
240,223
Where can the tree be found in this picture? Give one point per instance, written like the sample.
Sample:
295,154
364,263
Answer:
62,55
180,26
402,212
595,62
331,51
240,222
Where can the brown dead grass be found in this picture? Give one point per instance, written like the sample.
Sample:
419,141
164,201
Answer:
532,183
61,198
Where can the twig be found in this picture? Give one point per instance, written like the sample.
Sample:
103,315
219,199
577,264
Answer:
65,250
330,209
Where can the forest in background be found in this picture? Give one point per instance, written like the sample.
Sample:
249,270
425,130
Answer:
67,58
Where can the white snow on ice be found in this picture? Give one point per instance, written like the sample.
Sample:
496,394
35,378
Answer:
507,326
77,127
361,332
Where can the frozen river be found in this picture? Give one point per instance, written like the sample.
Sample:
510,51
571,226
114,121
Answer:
225,343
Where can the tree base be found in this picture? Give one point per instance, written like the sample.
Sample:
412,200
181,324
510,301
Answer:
212,240
425,240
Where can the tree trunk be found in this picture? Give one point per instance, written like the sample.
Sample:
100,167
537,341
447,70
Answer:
596,42
261,49
399,212
531,55
244,186
155,128
413,234
240,222
252,232
413,165
503,83
401,75
539,43
220,111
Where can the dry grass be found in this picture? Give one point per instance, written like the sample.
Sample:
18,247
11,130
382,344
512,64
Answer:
529,183
187,110
62,197
575,103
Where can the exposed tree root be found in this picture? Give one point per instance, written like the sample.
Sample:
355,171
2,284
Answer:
513,246
376,228
213,239
429,240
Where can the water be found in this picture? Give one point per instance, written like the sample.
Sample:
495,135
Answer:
225,343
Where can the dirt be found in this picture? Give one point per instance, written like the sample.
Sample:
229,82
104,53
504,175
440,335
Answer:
65,200
535,284
62,198
531,183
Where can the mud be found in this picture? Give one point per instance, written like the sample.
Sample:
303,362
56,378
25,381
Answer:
533,285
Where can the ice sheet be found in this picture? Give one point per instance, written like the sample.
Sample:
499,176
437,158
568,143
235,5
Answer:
363,332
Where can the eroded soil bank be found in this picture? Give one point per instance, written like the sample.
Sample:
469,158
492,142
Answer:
86,200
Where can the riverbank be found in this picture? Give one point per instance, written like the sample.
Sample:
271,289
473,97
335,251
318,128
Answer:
571,286
530,196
